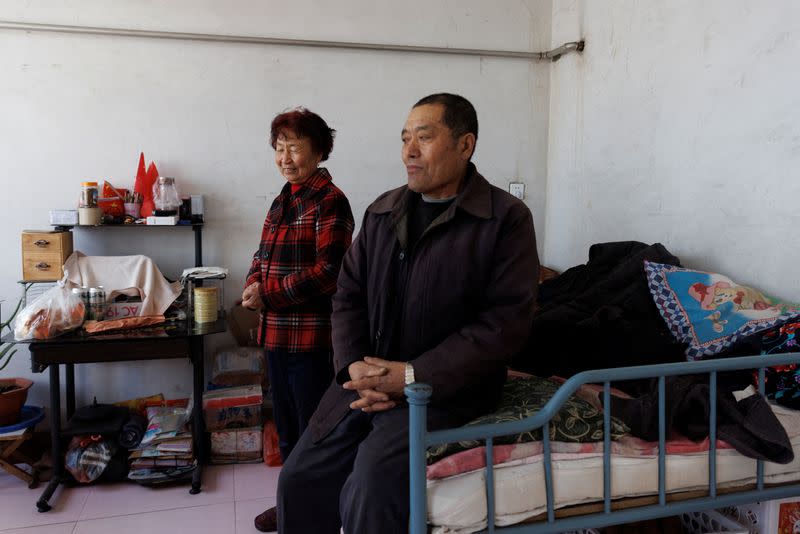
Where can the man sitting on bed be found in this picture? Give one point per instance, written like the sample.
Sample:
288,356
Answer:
438,287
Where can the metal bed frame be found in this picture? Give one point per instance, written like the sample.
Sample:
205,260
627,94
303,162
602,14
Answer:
420,439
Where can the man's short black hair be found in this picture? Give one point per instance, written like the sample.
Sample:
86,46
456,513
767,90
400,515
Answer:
459,114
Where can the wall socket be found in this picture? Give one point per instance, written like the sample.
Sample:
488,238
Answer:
517,189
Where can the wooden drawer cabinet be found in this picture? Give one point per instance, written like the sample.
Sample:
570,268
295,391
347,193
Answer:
44,254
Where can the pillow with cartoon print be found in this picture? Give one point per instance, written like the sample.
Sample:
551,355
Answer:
709,311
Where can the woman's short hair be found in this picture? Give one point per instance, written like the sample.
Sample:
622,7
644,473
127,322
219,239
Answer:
304,123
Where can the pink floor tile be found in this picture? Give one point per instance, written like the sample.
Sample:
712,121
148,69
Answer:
110,500
246,512
18,504
61,528
255,481
211,519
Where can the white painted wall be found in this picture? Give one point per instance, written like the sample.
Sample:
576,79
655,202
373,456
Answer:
679,124
74,107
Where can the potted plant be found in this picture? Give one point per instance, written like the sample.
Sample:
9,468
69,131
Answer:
13,391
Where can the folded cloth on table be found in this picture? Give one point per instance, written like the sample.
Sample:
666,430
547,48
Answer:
204,272
129,275
133,431
96,327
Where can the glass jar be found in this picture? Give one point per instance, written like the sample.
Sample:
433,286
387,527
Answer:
88,195
165,196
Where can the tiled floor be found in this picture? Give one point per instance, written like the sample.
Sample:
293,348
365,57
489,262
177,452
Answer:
232,496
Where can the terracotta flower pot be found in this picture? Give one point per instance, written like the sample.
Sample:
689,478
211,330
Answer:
11,402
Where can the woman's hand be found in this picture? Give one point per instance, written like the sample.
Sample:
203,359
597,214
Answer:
251,297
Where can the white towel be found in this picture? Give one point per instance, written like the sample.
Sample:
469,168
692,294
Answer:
130,275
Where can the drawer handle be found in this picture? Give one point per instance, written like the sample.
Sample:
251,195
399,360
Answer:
41,243
42,266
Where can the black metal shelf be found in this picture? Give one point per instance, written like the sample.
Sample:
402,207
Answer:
103,226
197,228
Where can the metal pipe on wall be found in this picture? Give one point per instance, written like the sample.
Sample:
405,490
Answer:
552,55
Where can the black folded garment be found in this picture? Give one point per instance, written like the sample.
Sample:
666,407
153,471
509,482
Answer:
132,431
102,419
600,315
117,468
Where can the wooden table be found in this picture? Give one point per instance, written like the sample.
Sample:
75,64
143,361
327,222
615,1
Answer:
175,340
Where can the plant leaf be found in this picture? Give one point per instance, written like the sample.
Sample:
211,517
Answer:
5,355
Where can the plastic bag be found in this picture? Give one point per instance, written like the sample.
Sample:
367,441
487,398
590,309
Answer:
87,457
239,366
54,312
272,452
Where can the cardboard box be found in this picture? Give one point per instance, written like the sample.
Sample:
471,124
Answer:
231,397
239,366
236,445
120,310
243,324
63,217
233,417
237,407
170,220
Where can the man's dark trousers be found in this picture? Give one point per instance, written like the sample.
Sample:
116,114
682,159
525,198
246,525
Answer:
356,477
298,381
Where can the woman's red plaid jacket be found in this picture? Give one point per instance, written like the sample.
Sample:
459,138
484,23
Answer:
304,238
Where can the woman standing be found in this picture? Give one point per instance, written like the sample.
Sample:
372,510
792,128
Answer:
293,275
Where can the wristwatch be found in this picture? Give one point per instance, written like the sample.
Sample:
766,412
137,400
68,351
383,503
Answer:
409,374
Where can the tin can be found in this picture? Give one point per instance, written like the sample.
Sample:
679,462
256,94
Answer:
91,302
83,292
100,305
97,303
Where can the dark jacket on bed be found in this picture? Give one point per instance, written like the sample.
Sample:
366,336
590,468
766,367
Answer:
749,425
600,315
458,304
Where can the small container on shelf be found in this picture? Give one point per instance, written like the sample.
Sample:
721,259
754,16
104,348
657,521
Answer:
88,195
205,296
205,304
89,214
134,209
165,196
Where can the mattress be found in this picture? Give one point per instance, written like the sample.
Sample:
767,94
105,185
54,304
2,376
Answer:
457,504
